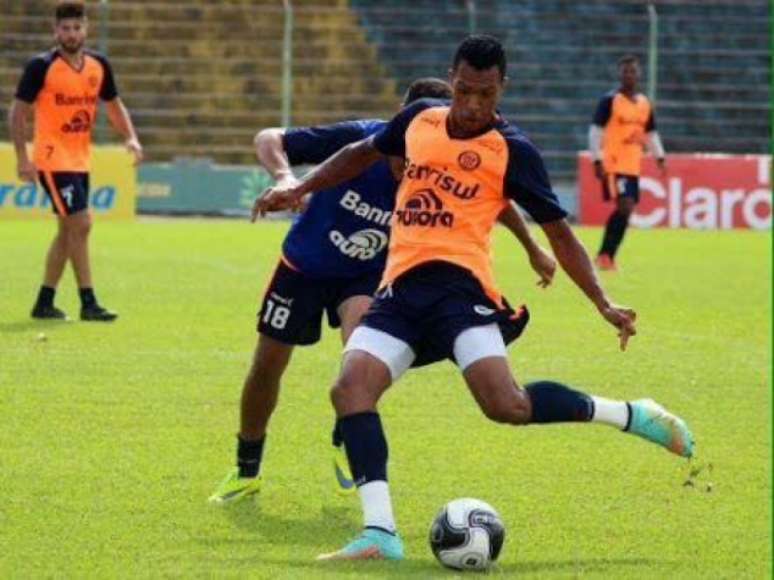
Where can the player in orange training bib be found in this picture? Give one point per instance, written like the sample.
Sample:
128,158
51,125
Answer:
63,87
438,297
623,125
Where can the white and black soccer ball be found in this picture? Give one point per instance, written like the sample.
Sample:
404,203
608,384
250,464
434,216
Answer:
467,534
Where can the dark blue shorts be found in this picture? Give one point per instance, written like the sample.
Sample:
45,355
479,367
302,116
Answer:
617,185
429,306
68,191
294,303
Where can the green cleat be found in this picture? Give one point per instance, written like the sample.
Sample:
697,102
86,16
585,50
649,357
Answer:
651,421
235,488
371,544
346,484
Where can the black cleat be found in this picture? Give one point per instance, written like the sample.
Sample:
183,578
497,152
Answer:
97,313
47,313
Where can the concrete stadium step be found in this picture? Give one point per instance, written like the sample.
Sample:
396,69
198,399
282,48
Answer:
238,66
256,102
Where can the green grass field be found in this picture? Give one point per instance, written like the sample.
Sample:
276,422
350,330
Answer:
113,436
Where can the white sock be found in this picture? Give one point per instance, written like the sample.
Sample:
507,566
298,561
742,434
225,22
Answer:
615,413
377,506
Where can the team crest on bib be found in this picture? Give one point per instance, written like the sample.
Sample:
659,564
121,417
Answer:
469,160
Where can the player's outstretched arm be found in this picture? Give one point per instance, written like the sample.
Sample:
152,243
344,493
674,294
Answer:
271,154
347,163
122,122
17,121
576,262
540,260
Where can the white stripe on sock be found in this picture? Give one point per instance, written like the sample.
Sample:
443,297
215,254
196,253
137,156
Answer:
615,413
377,506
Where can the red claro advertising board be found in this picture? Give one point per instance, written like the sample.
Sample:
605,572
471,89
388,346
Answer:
699,191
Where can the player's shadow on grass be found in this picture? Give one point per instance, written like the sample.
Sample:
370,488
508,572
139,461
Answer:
428,568
32,325
265,525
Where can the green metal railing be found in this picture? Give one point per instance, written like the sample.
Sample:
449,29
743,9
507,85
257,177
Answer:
652,53
103,18
287,64
470,6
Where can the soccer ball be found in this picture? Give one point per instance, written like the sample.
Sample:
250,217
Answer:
467,534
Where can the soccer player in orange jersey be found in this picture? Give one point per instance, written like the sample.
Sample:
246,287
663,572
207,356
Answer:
63,86
623,124
464,162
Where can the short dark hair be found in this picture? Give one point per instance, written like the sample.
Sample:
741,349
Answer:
628,59
427,88
481,51
69,10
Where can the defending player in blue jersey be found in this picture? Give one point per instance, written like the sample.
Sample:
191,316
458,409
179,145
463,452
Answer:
332,261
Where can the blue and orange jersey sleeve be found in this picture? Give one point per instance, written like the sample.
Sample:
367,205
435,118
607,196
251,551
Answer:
604,110
527,182
108,90
392,139
315,144
33,78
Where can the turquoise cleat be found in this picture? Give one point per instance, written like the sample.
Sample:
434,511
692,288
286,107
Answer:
651,421
371,544
345,483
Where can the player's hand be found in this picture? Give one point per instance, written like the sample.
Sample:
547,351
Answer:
134,147
599,170
544,265
302,204
27,171
623,318
286,194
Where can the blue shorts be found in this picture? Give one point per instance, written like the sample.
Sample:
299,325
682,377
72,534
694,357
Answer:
68,191
617,185
429,306
294,303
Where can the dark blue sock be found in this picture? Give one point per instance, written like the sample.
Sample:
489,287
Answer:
366,446
249,455
46,296
336,437
87,297
555,403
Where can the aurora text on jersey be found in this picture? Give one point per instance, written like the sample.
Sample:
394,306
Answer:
344,231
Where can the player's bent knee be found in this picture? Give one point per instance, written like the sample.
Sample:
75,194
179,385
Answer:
626,206
348,393
360,384
79,227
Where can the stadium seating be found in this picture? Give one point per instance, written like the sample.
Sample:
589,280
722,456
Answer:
201,77
714,64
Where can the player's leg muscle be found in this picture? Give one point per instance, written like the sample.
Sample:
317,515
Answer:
78,227
626,205
496,392
362,380
480,353
350,312
57,256
262,384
